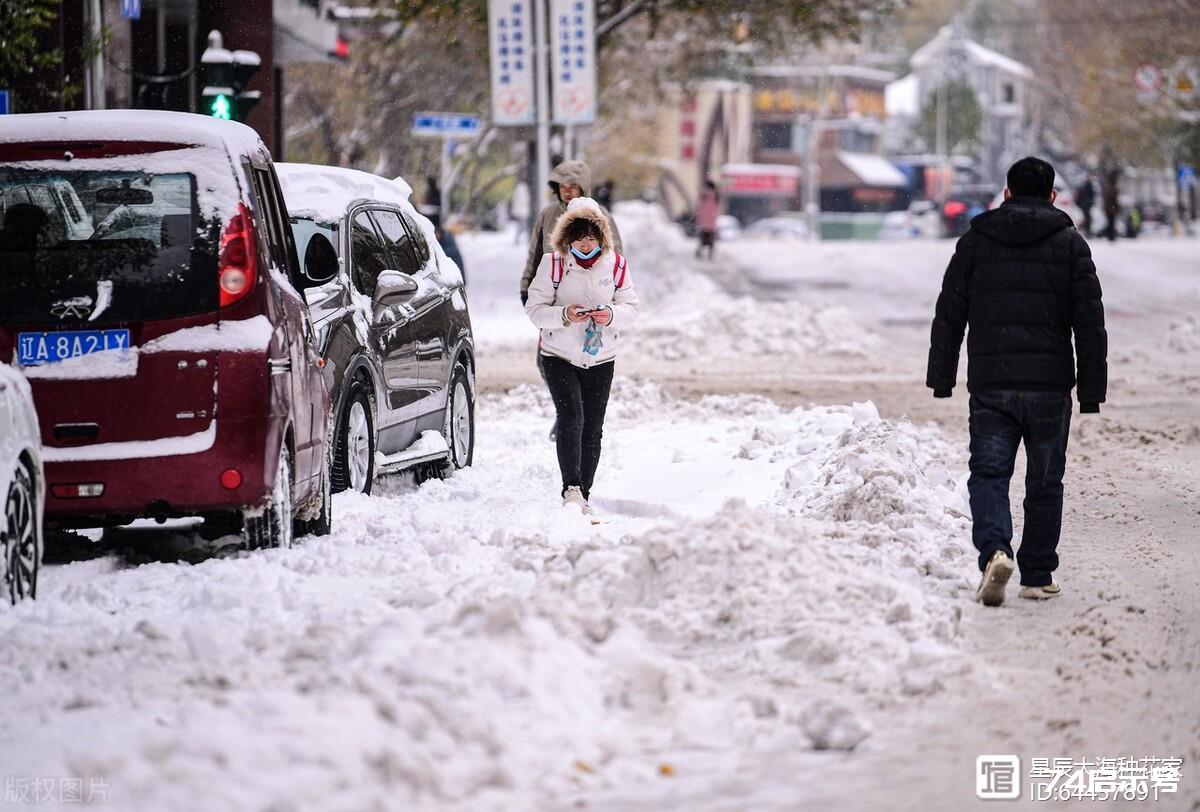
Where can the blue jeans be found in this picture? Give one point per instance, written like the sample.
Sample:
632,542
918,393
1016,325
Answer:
1000,421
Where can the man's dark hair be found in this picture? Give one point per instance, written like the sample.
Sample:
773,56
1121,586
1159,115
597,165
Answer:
582,227
1031,177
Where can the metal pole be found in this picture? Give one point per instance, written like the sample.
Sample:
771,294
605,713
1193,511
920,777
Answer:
812,169
93,69
447,181
543,106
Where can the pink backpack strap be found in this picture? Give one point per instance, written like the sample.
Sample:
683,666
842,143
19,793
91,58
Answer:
556,270
619,271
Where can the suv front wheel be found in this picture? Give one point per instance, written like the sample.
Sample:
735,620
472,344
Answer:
354,455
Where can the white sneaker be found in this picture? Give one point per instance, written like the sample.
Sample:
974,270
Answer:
573,496
587,508
1041,593
995,577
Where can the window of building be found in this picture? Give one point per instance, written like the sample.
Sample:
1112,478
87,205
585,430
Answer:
775,136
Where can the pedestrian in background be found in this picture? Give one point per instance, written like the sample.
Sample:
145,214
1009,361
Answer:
1109,193
569,180
1022,278
1086,198
581,297
445,238
708,210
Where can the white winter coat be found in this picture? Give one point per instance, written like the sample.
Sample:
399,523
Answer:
590,287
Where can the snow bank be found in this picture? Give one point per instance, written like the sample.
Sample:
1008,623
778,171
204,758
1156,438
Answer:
1184,336
684,312
469,644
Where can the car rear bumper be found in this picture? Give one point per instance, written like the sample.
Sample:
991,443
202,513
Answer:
186,484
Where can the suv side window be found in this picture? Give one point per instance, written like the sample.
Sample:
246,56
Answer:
418,238
368,256
399,242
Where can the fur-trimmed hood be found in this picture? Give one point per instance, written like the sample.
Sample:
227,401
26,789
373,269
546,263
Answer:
581,208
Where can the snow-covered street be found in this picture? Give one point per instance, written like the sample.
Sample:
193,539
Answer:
773,608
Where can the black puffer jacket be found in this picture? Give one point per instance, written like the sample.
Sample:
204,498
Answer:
1023,279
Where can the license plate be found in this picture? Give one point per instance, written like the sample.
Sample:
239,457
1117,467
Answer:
49,348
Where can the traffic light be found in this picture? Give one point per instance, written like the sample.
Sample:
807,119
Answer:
223,79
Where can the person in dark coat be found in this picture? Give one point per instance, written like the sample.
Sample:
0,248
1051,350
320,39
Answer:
1085,198
1023,280
1110,194
449,245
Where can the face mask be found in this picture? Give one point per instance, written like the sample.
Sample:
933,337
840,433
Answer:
588,255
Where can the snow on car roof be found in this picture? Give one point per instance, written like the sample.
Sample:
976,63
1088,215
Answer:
130,125
323,193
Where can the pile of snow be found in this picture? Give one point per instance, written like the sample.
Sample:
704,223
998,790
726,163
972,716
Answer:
764,581
685,314
1184,336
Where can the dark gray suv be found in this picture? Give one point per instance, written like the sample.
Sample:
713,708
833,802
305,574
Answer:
392,325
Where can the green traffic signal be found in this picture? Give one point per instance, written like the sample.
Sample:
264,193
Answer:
221,108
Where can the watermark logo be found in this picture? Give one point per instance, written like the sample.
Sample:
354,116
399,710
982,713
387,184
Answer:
998,778
39,789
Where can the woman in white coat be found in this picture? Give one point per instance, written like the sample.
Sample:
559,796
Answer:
581,297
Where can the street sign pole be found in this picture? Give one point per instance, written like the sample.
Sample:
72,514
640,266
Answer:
543,104
450,127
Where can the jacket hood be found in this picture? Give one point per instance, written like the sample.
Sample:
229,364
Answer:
1022,220
581,208
574,173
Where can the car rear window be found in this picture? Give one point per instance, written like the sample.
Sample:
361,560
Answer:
130,242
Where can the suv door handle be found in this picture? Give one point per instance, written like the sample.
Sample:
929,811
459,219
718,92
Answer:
279,366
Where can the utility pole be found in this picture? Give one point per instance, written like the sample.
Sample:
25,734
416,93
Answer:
812,169
542,32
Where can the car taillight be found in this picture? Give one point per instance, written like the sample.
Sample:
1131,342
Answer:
238,268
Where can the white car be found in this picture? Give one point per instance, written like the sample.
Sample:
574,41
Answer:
777,228
22,486
728,227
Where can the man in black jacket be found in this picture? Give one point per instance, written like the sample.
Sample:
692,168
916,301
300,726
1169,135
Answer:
1023,279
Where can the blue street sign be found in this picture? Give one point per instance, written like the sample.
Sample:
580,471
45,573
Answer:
1187,175
131,9
3,102
446,125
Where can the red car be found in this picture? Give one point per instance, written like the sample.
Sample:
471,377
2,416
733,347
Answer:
150,292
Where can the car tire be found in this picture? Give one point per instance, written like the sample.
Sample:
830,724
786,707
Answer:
322,524
354,448
458,427
272,524
21,548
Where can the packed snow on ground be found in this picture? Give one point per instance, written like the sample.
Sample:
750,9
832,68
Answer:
685,312
762,580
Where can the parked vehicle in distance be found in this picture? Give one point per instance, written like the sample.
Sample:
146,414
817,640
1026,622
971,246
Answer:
392,323
777,228
169,350
22,487
919,220
728,227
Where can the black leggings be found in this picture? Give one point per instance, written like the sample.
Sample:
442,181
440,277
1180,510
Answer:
580,400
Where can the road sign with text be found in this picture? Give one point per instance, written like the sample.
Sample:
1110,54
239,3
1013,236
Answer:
445,125
573,60
510,29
